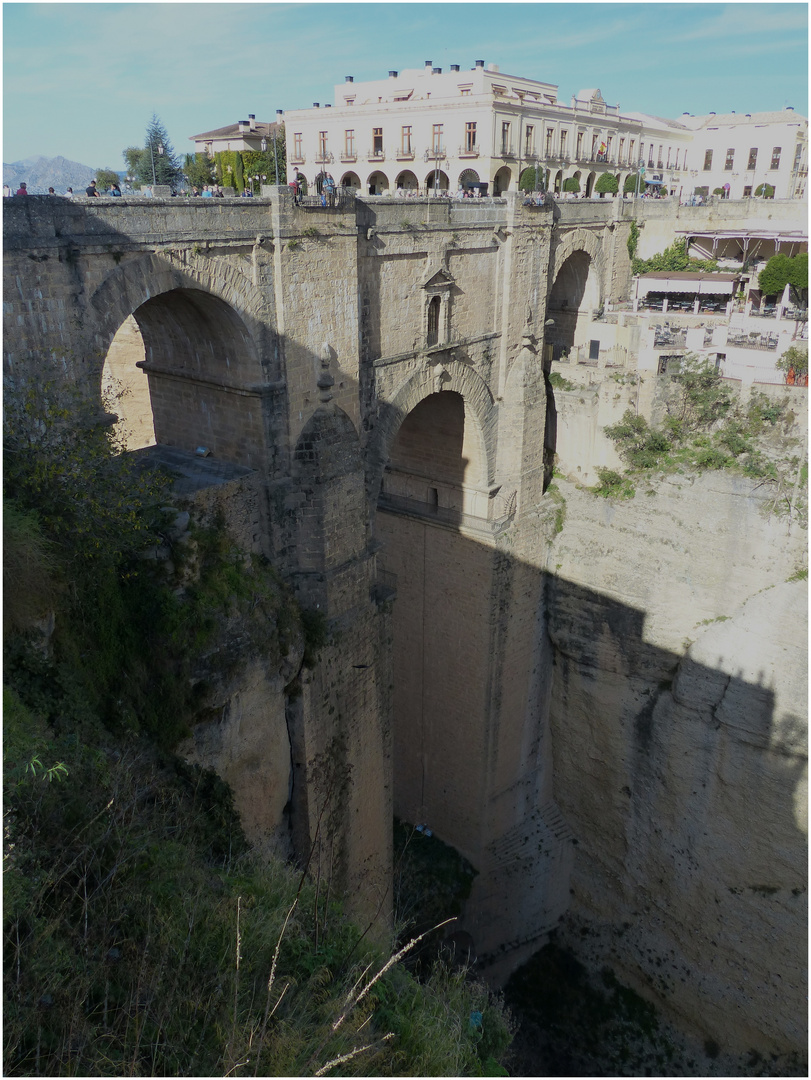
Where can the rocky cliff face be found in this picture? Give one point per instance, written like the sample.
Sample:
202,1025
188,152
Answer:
680,741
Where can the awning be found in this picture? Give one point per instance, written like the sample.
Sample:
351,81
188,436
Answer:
698,285
654,181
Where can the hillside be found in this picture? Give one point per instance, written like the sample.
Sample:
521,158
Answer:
40,173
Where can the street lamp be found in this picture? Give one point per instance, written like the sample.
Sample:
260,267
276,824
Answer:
152,152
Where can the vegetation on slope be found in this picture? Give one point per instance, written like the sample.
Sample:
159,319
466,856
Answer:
707,425
141,937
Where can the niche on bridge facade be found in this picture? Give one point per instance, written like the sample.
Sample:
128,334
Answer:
575,296
438,461
205,382
437,308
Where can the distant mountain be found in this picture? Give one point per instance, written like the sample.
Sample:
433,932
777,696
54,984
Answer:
40,173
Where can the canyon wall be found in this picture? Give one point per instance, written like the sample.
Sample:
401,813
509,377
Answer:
679,726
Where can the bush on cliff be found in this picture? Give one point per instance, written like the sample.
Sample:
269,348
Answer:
706,426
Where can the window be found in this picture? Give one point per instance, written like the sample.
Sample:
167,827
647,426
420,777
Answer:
297,146
505,138
669,152
579,152
608,142
747,191
563,135
470,137
775,158
349,142
529,133
707,160
798,154
433,320
631,148
752,163
677,159
659,158
650,156
322,144
550,134
377,142
465,90
730,160
621,152
405,140
436,139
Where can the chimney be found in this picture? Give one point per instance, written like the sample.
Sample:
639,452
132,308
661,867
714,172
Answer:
436,71
243,125
392,74
480,64
712,114
349,78
789,108
429,64
316,105
252,121
327,106
454,67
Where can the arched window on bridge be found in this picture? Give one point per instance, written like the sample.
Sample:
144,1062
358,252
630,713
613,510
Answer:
433,320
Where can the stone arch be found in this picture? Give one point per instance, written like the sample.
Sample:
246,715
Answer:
577,240
350,179
407,181
576,290
200,354
443,184
469,178
502,180
377,183
446,375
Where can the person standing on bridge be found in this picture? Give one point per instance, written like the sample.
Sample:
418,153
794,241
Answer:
90,190
21,190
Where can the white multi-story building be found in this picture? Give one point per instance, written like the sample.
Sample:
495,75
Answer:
422,129
740,152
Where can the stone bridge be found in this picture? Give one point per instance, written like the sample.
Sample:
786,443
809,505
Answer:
379,370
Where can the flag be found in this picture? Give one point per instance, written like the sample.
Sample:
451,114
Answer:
603,148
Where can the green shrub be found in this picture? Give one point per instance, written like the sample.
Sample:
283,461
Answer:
613,485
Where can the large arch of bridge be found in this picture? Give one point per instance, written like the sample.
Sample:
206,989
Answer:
181,359
479,411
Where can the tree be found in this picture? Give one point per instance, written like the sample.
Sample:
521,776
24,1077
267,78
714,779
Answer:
606,183
630,183
531,179
571,183
793,359
105,178
132,159
198,170
781,270
769,191
157,162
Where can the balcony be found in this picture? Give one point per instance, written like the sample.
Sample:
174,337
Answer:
324,158
404,155
349,155
506,151
376,155
468,152
437,154
298,159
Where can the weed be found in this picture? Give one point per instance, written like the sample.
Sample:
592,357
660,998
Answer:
559,382
613,485
292,245
310,231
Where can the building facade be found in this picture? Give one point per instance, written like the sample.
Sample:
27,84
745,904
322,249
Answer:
739,153
421,130
244,135
481,129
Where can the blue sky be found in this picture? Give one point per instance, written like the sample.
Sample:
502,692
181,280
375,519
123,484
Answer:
82,80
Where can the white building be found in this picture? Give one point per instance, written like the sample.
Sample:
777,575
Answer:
422,128
740,152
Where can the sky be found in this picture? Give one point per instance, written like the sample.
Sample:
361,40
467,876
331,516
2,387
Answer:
82,80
